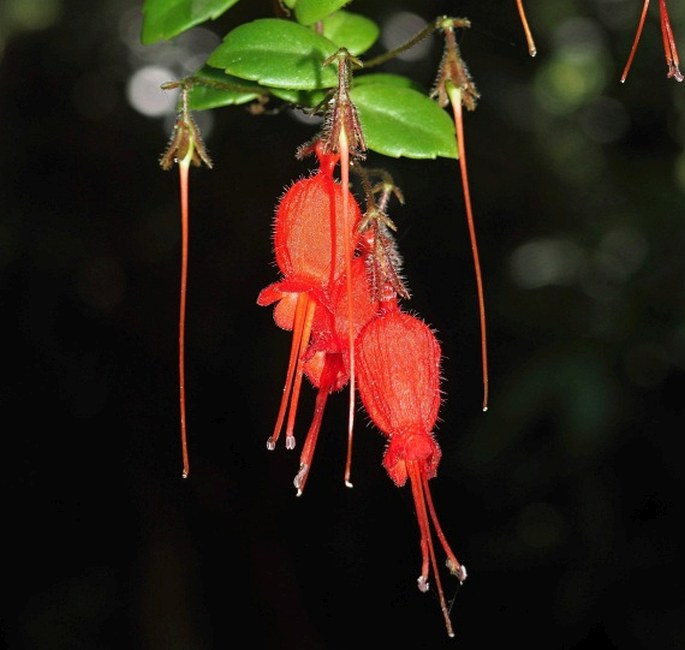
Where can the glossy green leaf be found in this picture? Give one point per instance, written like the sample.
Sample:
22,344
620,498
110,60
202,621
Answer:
164,19
214,88
387,78
400,121
355,32
302,98
308,12
278,53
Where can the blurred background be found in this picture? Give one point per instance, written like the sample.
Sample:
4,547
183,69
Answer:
564,500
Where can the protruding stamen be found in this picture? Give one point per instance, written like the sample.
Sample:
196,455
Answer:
302,326
299,372
301,478
326,381
456,569
421,494
298,325
462,574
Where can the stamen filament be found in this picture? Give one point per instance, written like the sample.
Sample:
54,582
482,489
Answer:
298,327
455,567
326,382
299,372
427,549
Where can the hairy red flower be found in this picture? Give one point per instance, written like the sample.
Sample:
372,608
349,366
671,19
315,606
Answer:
310,248
398,375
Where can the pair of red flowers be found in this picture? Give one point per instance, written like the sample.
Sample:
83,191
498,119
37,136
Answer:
349,328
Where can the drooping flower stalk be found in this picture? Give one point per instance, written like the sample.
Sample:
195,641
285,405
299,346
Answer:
532,49
454,86
185,148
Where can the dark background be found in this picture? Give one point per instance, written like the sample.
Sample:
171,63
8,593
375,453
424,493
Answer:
565,501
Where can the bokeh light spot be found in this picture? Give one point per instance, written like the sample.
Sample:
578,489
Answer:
145,94
32,14
542,262
399,28
566,82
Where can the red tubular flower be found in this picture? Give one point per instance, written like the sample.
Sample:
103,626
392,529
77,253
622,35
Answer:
398,375
309,246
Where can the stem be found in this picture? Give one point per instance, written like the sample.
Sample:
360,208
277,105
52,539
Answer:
183,167
391,54
636,40
455,95
532,50
185,148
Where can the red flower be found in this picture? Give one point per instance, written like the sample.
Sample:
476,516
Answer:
398,375
310,248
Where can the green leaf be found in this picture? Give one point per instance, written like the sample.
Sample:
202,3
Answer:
164,19
387,78
276,52
355,32
399,121
308,12
213,88
303,98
